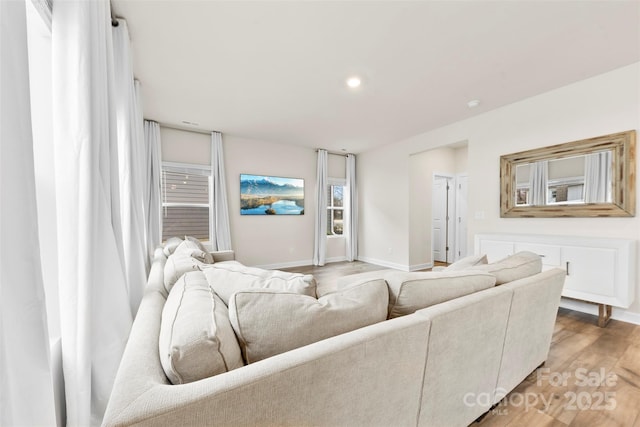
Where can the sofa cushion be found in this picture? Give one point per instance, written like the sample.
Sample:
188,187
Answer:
269,322
170,245
196,339
409,292
231,276
192,247
467,262
186,257
197,242
517,266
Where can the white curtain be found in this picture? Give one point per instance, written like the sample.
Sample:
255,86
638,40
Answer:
219,229
26,387
94,301
131,167
538,177
351,212
320,228
597,177
152,196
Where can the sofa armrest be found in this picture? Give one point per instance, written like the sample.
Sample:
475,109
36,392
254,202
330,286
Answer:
220,256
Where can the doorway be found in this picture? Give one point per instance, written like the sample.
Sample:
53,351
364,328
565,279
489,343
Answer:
443,210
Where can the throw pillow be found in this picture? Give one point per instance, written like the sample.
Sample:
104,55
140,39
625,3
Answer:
409,292
182,261
231,276
517,266
467,262
170,245
197,242
269,322
196,340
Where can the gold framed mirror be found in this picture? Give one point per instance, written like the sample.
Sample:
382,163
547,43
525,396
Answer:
588,178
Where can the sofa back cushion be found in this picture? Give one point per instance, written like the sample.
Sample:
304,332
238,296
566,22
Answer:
409,292
268,322
231,276
514,267
467,262
196,340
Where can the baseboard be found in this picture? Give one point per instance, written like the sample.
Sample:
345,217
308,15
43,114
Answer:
289,264
616,313
383,263
417,267
625,316
302,263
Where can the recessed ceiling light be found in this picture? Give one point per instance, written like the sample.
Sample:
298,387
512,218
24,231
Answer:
353,82
473,103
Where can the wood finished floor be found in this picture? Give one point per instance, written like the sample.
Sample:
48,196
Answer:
591,377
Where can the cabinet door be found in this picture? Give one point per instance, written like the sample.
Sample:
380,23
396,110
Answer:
591,273
550,254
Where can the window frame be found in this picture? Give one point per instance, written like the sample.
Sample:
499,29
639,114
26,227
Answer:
187,168
335,182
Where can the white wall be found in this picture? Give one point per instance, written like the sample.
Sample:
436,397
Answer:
185,147
268,241
422,168
383,198
597,106
462,159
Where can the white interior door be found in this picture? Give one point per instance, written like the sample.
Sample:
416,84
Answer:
461,216
442,227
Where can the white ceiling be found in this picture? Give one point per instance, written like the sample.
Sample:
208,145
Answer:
276,70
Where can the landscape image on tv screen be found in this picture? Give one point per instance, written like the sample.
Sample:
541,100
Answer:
271,195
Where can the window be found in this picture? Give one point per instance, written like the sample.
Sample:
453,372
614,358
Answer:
335,207
185,200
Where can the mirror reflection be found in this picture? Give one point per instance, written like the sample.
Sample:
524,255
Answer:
571,180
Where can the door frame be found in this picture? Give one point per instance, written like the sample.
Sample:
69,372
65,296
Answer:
451,228
457,255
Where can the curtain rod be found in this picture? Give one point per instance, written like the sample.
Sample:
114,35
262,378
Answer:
186,129
206,132
334,153
114,18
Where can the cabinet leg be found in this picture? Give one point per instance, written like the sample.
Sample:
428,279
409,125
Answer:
604,315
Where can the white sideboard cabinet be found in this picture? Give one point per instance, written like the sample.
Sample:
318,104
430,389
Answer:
599,270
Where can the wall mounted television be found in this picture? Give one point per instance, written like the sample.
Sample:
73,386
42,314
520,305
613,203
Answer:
271,195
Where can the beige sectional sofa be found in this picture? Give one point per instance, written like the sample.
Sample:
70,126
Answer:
431,367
